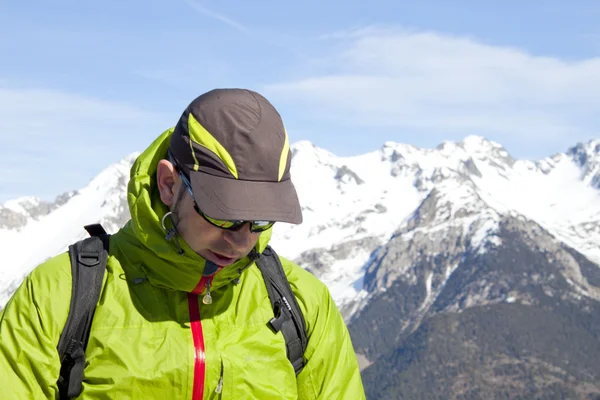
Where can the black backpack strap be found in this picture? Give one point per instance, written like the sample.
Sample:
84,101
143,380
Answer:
288,316
96,230
88,263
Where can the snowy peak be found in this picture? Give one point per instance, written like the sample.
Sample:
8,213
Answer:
304,151
394,152
103,200
445,203
16,214
585,156
460,160
474,144
111,178
483,150
426,167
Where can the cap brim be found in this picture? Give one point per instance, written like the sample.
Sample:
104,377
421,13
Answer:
233,199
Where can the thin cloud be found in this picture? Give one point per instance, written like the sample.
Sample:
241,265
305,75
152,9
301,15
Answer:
34,119
219,17
439,83
47,135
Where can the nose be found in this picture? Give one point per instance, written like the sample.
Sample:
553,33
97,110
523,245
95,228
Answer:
239,238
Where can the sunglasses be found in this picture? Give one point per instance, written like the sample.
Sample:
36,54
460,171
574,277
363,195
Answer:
255,226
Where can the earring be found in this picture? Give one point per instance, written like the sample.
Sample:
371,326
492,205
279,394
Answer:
170,232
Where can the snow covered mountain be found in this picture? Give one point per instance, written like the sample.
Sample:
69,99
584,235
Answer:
469,185
410,242
43,230
353,205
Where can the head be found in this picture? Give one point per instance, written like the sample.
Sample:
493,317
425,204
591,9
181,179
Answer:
227,174
221,246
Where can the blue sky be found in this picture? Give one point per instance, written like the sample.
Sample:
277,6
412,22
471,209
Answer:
83,84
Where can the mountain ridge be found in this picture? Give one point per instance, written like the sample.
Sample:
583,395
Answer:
368,196
459,270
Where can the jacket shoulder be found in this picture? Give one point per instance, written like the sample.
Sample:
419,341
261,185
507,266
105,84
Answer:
312,294
42,299
50,287
57,268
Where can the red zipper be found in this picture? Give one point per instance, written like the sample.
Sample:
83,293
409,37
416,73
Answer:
199,350
196,325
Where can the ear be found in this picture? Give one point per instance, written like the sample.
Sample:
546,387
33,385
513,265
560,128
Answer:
167,179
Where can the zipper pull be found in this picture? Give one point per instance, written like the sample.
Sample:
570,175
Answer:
207,299
219,388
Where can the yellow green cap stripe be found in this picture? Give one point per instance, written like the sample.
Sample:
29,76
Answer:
203,137
284,155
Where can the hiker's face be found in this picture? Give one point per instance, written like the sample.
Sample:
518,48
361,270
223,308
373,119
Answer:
221,246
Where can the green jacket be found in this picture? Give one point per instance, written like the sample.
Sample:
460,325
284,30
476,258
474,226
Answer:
153,338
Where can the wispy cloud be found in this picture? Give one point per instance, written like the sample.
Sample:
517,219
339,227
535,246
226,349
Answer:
49,134
438,83
35,120
196,5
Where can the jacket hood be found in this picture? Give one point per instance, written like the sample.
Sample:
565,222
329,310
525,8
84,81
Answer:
160,258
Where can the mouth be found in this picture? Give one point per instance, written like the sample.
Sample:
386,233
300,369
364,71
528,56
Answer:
220,259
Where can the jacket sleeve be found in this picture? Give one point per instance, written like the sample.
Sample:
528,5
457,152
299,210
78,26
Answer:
29,361
331,370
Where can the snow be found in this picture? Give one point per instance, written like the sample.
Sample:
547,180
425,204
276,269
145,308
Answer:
559,200
428,282
345,277
17,205
50,235
485,233
449,271
328,209
555,192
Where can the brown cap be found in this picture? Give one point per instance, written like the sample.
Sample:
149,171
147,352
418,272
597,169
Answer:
233,146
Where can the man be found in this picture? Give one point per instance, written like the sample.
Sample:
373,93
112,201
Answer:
168,324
